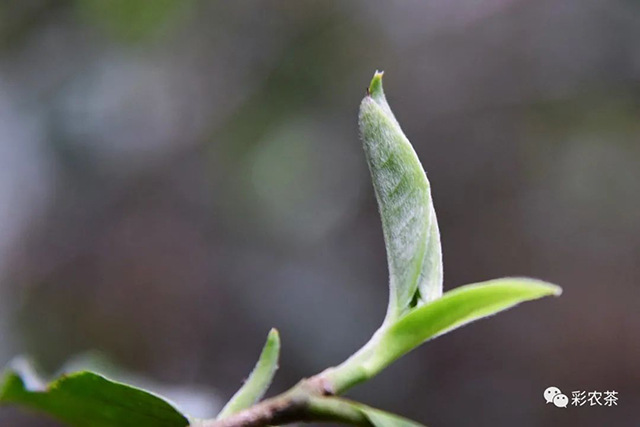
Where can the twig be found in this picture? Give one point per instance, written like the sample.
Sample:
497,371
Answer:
309,400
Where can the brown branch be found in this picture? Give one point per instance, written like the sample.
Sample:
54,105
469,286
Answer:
309,400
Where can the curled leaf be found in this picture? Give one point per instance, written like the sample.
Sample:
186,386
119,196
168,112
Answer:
409,223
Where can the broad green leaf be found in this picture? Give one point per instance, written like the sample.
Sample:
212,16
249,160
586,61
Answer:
86,399
403,193
456,308
259,380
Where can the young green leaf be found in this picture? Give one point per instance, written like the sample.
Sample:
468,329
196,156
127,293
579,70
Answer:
259,380
85,399
384,419
343,410
409,224
456,308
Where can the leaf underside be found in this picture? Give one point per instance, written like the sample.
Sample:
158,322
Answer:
86,399
403,193
259,380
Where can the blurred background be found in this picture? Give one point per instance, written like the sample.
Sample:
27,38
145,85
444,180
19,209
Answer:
178,176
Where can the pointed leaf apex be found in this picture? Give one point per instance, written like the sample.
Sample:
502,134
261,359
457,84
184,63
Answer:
543,288
273,334
375,88
557,290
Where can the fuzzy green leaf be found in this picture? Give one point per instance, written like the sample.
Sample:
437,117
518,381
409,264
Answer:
411,234
86,399
259,380
456,308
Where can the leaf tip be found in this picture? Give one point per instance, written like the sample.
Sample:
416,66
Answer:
556,290
375,87
274,336
535,287
546,288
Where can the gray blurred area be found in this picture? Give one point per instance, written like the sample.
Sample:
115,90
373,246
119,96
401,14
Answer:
179,176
